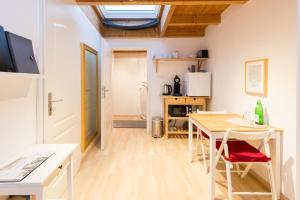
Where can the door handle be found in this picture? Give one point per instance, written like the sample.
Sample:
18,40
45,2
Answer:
50,103
104,90
56,101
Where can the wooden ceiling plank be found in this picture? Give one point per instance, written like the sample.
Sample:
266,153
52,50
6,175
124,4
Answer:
185,34
200,9
185,31
192,20
117,33
160,2
166,18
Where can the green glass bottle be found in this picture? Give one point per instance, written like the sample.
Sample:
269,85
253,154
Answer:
259,113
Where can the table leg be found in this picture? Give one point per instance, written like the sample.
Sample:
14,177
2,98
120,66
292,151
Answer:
70,180
278,165
212,165
190,149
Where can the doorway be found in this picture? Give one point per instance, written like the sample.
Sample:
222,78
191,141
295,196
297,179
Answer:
129,89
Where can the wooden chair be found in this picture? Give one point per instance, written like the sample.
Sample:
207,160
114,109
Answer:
203,136
239,151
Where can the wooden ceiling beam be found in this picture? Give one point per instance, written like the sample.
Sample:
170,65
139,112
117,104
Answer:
185,31
166,18
177,34
117,33
192,20
160,2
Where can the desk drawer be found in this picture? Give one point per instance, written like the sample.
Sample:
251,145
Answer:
58,172
195,100
175,101
57,183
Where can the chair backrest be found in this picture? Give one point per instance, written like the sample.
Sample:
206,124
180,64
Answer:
263,136
249,135
211,112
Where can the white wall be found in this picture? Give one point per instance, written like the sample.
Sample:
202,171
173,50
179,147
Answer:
19,123
167,70
18,116
259,29
129,72
298,107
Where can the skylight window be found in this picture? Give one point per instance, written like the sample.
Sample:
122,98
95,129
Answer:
130,11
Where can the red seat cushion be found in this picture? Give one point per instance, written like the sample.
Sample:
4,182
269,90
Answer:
242,151
204,135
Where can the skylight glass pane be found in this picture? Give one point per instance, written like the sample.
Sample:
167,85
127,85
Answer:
131,8
130,11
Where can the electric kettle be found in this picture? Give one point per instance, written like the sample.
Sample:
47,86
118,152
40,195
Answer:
167,89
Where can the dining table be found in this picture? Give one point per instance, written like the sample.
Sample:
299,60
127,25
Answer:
215,126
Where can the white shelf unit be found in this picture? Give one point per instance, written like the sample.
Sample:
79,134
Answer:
16,85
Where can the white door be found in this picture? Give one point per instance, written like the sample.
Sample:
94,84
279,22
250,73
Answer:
62,87
106,94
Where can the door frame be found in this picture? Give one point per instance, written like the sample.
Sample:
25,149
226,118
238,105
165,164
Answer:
148,57
86,142
41,106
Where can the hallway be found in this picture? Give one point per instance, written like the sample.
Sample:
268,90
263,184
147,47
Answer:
136,167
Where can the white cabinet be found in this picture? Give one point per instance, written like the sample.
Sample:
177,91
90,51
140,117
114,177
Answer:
197,84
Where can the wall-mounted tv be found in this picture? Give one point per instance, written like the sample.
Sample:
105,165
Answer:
6,64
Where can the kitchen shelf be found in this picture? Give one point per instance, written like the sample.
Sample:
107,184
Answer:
179,132
16,85
157,60
182,100
178,117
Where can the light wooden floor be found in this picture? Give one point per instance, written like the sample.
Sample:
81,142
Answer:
134,166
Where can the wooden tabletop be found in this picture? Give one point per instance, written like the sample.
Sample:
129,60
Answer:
218,123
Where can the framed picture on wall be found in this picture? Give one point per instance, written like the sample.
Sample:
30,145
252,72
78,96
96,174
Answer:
256,77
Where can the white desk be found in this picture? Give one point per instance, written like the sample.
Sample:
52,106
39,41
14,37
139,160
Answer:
34,183
215,126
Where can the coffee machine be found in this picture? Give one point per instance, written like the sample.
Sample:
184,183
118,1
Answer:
177,86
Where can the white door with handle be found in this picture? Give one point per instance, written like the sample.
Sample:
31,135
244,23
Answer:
106,94
62,87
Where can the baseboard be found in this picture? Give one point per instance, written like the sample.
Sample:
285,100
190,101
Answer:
265,183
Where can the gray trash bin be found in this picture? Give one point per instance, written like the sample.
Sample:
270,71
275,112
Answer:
157,126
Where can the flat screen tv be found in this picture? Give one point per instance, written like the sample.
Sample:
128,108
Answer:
6,64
